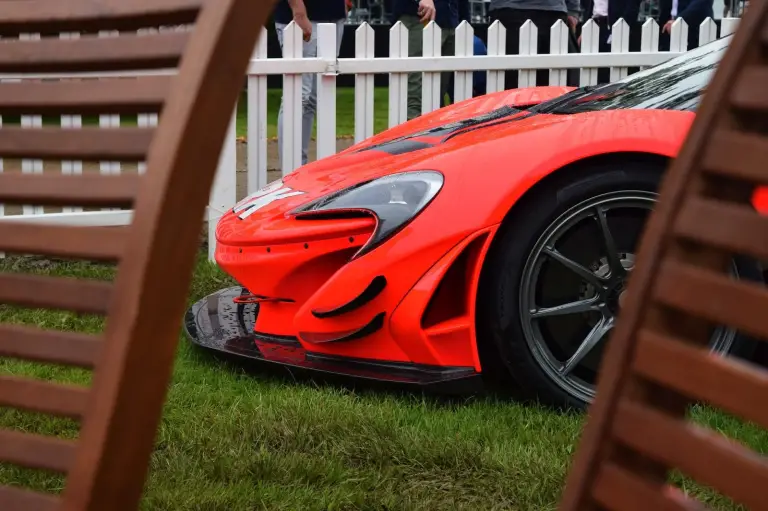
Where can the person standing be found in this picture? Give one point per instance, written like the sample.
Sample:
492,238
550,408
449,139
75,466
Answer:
415,14
542,13
693,12
307,14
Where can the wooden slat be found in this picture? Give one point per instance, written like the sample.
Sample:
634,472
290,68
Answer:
76,190
35,451
720,381
95,243
91,53
715,297
94,144
704,455
749,91
617,488
736,155
738,229
16,499
77,295
66,348
92,15
43,397
85,97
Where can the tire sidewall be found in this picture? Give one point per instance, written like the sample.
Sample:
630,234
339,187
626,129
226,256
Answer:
499,322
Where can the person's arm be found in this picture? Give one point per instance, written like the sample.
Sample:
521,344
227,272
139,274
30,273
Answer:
426,10
574,11
300,17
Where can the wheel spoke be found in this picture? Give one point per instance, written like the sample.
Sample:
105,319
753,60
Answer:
612,253
594,337
572,265
565,309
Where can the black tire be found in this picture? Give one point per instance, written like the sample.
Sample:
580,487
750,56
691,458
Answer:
504,350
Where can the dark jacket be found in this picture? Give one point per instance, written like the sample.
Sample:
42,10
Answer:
628,10
693,12
449,13
317,11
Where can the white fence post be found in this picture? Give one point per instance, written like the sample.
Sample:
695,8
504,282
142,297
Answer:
558,45
364,48
109,121
619,44
326,92
2,205
146,121
465,47
224,191
678,38
728,26
398,82
707,31
650,37
430,82
257,122
497,45
590,43
529,41
290,138
71,122
31,166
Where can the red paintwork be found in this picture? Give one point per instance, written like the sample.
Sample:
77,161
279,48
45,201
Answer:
486,171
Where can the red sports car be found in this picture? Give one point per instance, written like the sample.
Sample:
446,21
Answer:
490,238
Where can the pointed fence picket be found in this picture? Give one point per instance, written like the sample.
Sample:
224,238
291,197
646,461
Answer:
325,67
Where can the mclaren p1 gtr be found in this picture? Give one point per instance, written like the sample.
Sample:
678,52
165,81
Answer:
492,238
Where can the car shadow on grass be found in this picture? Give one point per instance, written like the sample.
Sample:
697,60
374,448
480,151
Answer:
448,396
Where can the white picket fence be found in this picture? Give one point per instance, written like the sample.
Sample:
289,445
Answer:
326,66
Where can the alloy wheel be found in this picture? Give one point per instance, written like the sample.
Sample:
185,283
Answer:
574,283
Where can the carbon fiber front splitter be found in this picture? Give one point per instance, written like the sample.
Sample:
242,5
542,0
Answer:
217,323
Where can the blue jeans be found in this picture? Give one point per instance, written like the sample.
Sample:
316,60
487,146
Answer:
308,90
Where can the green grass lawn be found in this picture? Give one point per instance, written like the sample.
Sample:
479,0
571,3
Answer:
345,112
232,440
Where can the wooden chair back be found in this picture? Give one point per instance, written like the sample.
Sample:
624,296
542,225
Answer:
658,361
132,360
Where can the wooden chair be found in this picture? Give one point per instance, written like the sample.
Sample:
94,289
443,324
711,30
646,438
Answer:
658,362
132,360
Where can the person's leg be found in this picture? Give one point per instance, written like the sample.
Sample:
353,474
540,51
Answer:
279,28
447,49
415,49
512,20
604,73
544,21
308,97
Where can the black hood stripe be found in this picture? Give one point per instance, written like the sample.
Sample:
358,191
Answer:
407,144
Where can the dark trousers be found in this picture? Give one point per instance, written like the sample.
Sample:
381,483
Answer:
603,73
513,20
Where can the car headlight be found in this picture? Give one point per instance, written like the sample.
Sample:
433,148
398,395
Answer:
395,200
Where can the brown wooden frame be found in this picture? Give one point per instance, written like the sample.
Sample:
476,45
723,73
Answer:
133,360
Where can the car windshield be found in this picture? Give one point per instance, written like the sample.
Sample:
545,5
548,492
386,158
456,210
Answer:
676,84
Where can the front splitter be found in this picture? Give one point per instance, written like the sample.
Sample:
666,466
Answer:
217,323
